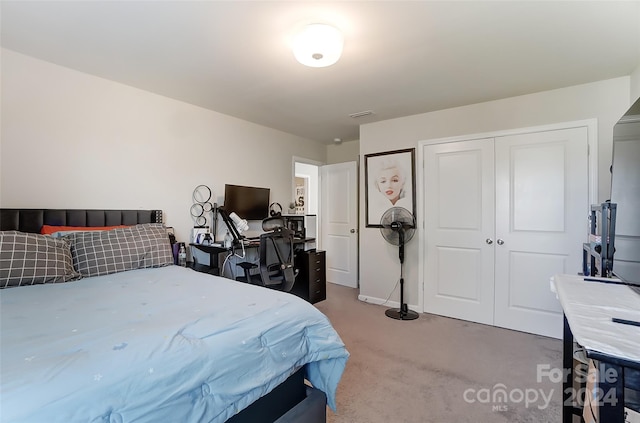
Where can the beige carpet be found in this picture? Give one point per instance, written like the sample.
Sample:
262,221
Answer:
437,369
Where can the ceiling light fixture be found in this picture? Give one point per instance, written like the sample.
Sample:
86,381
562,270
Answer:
318,45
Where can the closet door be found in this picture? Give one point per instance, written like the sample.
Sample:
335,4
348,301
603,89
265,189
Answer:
541,219
459,226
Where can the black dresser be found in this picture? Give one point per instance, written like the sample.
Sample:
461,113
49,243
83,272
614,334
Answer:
311,282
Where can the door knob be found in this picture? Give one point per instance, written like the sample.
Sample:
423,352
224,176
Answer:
500,242
489,241
353,231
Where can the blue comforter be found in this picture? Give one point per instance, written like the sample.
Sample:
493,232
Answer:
156,345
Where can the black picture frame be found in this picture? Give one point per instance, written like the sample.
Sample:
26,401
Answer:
380,170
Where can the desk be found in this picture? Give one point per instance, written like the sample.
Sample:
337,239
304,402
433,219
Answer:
298,244
588,311
310,282
214,251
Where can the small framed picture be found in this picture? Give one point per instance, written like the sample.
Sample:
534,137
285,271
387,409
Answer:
389,182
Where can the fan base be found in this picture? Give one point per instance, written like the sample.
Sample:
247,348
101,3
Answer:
398,314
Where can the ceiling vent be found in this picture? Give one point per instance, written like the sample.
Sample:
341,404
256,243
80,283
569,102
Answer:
361,114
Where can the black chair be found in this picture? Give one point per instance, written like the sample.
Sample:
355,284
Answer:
276,262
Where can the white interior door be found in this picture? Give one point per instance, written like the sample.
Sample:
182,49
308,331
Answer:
339,222
542,203
459,225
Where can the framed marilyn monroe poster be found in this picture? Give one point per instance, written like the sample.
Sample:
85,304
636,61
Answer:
389,182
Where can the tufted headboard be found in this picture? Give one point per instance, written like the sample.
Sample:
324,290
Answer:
31,220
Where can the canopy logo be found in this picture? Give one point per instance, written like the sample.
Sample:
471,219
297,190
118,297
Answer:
499,397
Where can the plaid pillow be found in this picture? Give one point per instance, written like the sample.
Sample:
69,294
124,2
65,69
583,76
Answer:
136,247
27,259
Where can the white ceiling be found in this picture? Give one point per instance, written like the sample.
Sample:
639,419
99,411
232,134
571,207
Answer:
400,57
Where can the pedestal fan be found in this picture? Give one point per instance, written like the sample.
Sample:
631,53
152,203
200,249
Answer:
398,227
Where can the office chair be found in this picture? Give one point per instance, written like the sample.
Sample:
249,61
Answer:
276,262
273,223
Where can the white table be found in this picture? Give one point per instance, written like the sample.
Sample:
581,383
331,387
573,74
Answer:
589,305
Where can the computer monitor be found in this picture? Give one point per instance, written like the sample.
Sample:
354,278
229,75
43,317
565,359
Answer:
251,203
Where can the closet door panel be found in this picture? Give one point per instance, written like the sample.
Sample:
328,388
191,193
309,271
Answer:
459,218
541,204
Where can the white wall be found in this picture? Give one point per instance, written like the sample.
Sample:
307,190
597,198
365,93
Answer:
346,151
72,140
604,100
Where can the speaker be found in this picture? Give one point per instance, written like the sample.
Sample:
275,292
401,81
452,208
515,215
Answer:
272,209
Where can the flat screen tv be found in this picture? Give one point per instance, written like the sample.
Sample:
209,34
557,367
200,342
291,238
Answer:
625,192
249,203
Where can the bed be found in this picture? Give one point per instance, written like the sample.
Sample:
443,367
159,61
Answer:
153,342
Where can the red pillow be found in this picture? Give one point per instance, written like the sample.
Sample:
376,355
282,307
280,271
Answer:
48,229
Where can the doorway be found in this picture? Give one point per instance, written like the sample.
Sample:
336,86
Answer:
330,192
306,186
339,222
